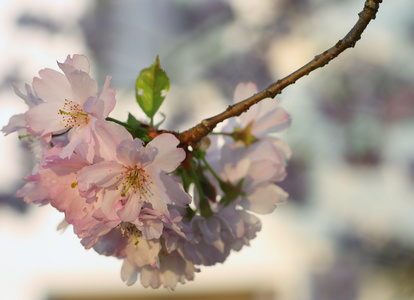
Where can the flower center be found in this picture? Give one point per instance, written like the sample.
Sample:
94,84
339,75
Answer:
128,230
135,180
73,114
244,135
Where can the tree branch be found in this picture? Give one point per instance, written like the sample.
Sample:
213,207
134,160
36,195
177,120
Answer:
193,135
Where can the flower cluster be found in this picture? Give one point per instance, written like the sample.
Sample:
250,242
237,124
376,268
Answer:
162,207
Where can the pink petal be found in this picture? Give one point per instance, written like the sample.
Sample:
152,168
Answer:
112,244
263,200
151,229
101,105
52,86
34,192
45,118
83,86
274,121
78,136
243,91
168,156
130,152
108,136
261,171
235,163
30,99
16,123
131,209
102,174
232,219
111,202
79,62
175,191
156,194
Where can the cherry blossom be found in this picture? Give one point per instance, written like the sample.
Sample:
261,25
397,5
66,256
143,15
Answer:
129,197
251,182
159,262
136,176
259,121
72,101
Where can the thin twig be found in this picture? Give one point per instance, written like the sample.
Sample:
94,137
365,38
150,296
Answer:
193,135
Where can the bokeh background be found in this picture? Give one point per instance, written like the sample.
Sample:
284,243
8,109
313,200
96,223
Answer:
347,231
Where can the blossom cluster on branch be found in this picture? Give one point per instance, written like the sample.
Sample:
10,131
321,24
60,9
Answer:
138,193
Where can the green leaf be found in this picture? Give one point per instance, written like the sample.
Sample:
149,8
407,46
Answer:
133,122
150,88
137,130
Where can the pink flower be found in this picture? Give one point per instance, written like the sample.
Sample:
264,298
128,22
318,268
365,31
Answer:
55,182
72,101
136,176
33,191
18,122
261,119
157,263
251,181
58,177
229,228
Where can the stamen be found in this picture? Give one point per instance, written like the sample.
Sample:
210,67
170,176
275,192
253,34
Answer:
135,237
135,180
73,114
132,181
62,112
129,229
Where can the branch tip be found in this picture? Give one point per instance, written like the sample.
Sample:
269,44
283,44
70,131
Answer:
195,134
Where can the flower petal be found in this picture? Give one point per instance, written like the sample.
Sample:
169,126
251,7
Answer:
168,156
264,198
129,273
175,190
16,123
44,118
78,62
103,174
104,103
83,86
108,136
130,211
52,86
273,121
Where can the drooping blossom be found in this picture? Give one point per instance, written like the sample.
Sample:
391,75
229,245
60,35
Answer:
120,194
158,262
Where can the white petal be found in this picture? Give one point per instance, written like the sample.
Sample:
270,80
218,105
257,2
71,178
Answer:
129,273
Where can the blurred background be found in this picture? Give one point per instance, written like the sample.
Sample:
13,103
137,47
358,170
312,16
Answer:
347,231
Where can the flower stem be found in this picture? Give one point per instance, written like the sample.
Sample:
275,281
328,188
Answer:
205,209
211,170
